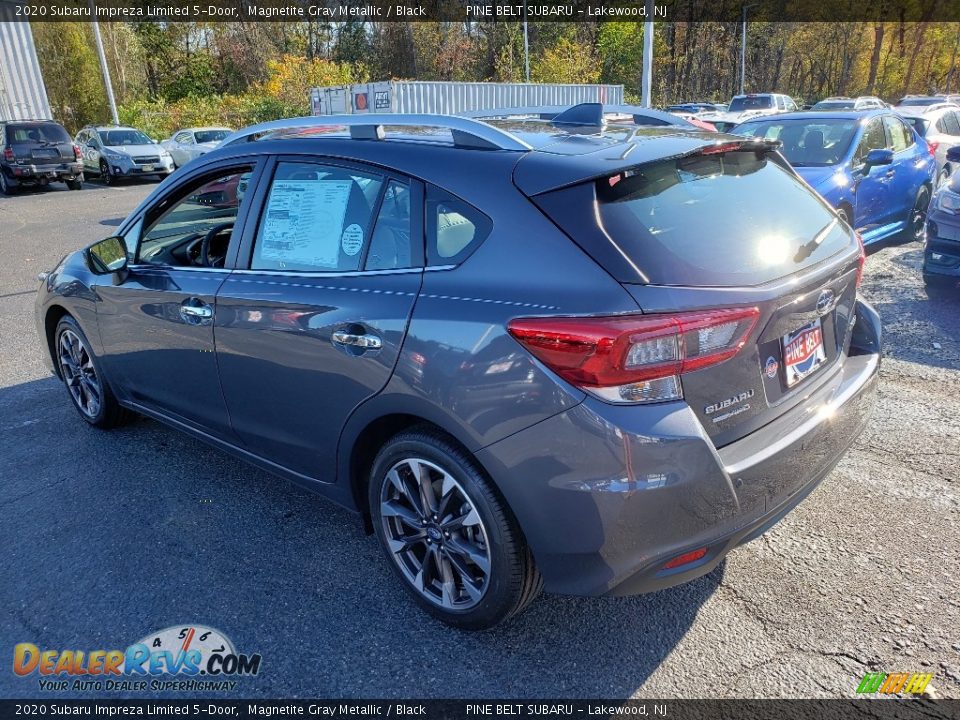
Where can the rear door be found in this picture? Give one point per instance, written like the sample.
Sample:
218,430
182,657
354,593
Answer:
313,323
905,176
728,230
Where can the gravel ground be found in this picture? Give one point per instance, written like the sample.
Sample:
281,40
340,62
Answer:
108,536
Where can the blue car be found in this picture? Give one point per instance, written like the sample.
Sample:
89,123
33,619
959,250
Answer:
871,166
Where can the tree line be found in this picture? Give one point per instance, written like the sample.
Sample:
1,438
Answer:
167,75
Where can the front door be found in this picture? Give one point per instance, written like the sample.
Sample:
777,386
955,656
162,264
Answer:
314,325
871,213
156,325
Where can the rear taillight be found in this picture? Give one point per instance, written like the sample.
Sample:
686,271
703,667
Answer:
862,260
76,153
8,154
634,358
932,147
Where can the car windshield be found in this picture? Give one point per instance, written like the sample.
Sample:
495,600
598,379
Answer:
112,138
751,102
835,105
42,133
806,141
206,136
920,101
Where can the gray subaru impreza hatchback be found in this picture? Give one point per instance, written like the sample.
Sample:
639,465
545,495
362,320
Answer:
541,351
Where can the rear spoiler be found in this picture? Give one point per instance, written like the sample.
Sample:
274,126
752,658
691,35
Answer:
541,172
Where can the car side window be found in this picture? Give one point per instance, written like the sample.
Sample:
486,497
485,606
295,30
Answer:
205,206
391,242
184,138
873,138
454,228
780,104
901,137
952,122
320,218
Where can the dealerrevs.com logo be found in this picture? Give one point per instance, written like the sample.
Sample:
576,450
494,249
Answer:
187,658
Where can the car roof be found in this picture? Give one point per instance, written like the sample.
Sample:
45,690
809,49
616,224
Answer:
541,155
202,127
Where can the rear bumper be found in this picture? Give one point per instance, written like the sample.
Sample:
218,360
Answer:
30,174
606,495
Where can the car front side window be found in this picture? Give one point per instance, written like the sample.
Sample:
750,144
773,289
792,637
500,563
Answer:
873,138
205,213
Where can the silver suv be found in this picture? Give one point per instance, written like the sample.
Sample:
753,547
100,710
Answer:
113,151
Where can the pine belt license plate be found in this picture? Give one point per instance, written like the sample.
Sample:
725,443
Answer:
803,352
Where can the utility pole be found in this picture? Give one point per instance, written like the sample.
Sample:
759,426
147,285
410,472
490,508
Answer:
743,44
104,69
526,44
646,80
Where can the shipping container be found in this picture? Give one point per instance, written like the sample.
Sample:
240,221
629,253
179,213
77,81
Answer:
450,98
22,92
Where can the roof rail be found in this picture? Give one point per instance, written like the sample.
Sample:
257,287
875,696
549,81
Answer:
585,114
467,133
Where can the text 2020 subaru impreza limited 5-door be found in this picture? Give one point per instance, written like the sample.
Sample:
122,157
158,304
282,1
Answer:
529,354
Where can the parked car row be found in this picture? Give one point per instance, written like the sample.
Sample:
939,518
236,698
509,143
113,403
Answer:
38,152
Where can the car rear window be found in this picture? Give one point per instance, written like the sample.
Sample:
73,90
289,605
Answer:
729,219
751,102
23,133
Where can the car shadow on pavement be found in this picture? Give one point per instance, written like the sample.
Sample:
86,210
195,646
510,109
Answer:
112,535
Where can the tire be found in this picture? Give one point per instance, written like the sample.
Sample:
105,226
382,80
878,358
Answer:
845,216
916,228
82,376
105,177
942,177
468,564
5,187
75,184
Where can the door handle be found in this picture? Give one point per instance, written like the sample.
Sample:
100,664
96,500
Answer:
195,310
364,341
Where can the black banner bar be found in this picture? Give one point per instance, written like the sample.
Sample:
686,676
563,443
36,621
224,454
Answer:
880,709
483,10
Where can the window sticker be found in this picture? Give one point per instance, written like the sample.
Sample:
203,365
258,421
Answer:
303,222
352,239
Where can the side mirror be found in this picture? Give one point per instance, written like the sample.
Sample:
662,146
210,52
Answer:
953,154
879,156
108,257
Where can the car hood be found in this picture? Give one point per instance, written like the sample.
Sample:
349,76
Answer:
152,149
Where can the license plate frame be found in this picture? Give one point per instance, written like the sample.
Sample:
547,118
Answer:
147,168
803,352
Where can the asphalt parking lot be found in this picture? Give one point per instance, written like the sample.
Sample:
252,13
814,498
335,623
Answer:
107,536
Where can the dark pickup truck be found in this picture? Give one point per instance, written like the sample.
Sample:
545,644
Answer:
37,152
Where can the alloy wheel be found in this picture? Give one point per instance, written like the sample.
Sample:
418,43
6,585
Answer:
435,535
943,177
105,176
79,375
918,216
4,186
